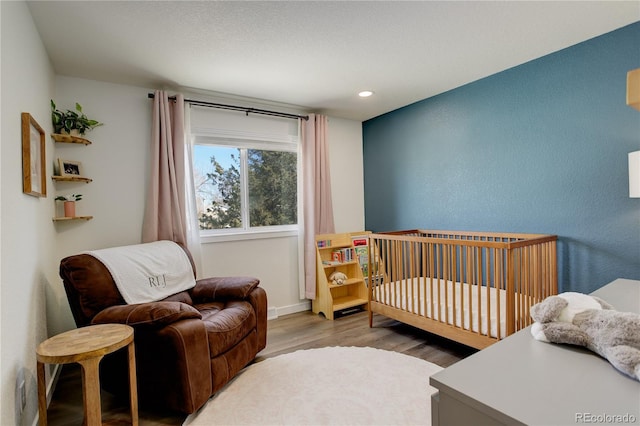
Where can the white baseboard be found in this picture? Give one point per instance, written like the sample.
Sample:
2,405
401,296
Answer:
274,312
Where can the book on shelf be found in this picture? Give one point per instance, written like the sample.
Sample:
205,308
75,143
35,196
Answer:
323,243
359,241
342,255
362,254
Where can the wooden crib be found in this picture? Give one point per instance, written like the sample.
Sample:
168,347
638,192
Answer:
472,287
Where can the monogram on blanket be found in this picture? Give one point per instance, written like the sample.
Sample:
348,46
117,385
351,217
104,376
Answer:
148,272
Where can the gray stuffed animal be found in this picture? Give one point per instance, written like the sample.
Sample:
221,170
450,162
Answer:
579,319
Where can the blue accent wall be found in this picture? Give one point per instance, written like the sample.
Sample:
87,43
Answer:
538,148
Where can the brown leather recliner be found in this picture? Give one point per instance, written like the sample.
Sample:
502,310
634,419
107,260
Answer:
188,345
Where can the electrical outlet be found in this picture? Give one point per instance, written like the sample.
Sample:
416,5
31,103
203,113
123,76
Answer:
23,395
272,313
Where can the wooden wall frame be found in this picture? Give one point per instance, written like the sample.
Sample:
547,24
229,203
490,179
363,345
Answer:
33,157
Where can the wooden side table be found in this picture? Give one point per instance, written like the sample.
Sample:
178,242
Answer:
87,346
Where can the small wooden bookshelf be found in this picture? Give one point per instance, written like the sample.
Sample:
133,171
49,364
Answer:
337,253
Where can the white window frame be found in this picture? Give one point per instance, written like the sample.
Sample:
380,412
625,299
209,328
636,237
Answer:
245,142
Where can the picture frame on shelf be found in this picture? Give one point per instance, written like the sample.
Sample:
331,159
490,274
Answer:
33,157
69,168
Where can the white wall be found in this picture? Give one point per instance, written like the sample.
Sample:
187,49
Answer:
274,261
27,233
347,175
33,301
117,161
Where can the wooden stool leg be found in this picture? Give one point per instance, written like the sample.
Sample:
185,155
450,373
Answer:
42,395
133,384
91,391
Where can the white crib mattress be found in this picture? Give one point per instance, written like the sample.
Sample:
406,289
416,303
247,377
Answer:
415,295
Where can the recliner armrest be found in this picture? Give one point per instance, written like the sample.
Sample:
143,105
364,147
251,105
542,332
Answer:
214,288
152,314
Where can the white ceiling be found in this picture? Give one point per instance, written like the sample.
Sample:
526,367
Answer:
314,54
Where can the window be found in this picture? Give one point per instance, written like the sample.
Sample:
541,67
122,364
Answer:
245,186
246,169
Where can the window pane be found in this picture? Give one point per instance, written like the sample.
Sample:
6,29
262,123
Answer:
272,188
217,182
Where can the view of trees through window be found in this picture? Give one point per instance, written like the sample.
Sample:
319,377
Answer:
270,196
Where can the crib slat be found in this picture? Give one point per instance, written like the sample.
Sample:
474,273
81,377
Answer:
423,275
453,279
477,276
470,279
486,272
432,268
445,263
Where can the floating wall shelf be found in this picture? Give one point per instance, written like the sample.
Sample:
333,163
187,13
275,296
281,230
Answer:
65,219
58,137
71,179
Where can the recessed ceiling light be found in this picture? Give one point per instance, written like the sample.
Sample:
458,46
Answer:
365,93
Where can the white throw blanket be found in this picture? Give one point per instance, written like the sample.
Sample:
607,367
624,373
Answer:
148,272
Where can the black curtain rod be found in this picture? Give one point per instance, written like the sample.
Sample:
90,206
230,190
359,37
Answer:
247,110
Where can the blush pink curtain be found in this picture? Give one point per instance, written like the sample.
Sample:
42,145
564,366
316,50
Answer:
165,215
318,207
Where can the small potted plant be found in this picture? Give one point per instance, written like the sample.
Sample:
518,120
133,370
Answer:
71,122
69,203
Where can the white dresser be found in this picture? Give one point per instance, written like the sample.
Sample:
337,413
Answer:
520,380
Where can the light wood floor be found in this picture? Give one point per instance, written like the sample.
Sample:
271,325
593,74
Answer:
289,333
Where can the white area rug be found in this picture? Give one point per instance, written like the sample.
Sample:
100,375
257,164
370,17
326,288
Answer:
326,386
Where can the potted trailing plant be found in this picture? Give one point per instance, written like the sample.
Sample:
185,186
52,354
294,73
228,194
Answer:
71,121
69,203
